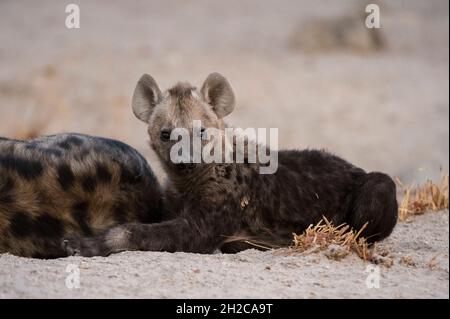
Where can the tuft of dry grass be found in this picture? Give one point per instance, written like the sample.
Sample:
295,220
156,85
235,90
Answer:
408,261
433,262
33,131
337,240
425,198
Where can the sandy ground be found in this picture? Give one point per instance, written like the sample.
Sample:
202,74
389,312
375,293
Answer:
249,274
384,110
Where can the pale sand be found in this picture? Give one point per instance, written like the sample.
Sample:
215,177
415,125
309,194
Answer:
249,274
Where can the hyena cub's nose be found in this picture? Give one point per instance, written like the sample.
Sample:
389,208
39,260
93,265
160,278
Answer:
165,134
183,166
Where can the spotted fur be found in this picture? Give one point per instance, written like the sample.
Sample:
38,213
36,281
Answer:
56,186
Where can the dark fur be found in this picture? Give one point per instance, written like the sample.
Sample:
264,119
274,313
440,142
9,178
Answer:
221,204
48,191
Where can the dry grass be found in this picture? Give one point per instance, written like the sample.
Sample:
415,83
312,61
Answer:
35,130
433,262
408,261
424,198
339,241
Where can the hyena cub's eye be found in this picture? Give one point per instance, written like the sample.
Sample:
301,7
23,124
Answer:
165,135
203,134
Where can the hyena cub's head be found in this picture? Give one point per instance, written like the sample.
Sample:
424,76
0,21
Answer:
179,109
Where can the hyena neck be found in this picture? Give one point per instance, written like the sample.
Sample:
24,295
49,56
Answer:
191,181
214,184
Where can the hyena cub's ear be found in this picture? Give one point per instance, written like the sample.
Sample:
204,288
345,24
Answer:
146,95
218,93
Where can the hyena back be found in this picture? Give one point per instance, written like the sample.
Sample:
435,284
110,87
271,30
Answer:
55,186
227,205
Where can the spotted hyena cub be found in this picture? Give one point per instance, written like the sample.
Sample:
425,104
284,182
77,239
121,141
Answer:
56,186
226,205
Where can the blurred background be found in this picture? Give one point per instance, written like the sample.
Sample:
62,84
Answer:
379,98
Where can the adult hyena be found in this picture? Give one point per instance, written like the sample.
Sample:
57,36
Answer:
222,202
55,186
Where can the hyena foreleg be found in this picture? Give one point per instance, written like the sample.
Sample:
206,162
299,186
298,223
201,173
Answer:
187,234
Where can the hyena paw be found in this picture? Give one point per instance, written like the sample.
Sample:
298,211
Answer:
83,246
